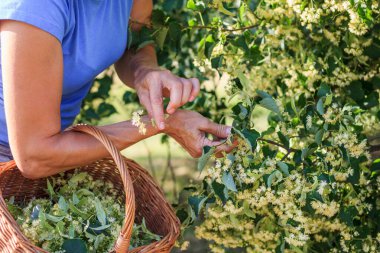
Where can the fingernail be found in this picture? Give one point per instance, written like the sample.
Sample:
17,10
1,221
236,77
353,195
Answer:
161,126
191,98
170,110
228,130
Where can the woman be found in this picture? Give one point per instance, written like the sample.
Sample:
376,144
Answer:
51,51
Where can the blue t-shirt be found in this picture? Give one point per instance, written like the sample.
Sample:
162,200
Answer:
93,35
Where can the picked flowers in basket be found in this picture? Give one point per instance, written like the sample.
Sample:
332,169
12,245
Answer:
81,215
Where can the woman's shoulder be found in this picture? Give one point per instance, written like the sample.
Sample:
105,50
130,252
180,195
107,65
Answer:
49,15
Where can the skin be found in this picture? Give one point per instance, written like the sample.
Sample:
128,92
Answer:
32,66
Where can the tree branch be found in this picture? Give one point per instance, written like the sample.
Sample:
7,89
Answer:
150,25
277,144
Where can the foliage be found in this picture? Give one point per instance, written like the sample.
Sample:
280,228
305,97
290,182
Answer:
307,183
80,216
319,64
304,185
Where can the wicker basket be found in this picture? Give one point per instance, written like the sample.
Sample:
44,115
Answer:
142,197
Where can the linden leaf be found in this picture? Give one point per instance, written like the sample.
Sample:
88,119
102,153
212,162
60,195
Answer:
207,152
100,213
228,181
270,104
320,108
74,246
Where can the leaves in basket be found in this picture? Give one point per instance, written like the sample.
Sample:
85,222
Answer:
74,246
81,215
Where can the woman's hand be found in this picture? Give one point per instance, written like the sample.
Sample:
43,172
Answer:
153,84
190,128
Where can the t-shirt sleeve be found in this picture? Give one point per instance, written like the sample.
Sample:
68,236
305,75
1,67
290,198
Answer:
48,15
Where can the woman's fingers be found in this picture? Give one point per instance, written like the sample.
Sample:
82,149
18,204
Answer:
145,101
186,92
156,101
176,89
220,131
225,148
195,90
221,147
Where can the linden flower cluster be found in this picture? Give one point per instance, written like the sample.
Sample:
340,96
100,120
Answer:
297,197
80,208
298,49
137,122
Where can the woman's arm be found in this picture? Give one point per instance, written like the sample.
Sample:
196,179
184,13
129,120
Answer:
140,70
32,69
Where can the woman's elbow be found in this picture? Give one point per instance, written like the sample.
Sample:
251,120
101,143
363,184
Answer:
32,169
32,166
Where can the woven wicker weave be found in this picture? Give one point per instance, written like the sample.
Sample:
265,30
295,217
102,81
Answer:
142,197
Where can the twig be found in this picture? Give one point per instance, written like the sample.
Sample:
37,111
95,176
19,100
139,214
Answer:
150,25
285,156
288,150
277,144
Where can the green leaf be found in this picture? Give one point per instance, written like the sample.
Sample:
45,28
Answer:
320,108
105,110
54,218
283,167
323,90
219,191
319,136
71,231
103,227
251,136
263,94
207,152
175,32
74,246
100,214
85,192
224,10
270,104
161,37
284,139
217,62
243,79
196,203
240,111
78,212
348,214
228,181
274,177
269,131
209,46
75,199
62,204
247,210
50,189
78,177
375,165
328,100
191,5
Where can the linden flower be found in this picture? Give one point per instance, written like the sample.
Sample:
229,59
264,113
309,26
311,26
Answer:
136,121
325,209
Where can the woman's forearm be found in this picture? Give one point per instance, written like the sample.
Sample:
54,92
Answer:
71,149
132,63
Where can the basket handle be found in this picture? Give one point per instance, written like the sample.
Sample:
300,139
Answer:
122,243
